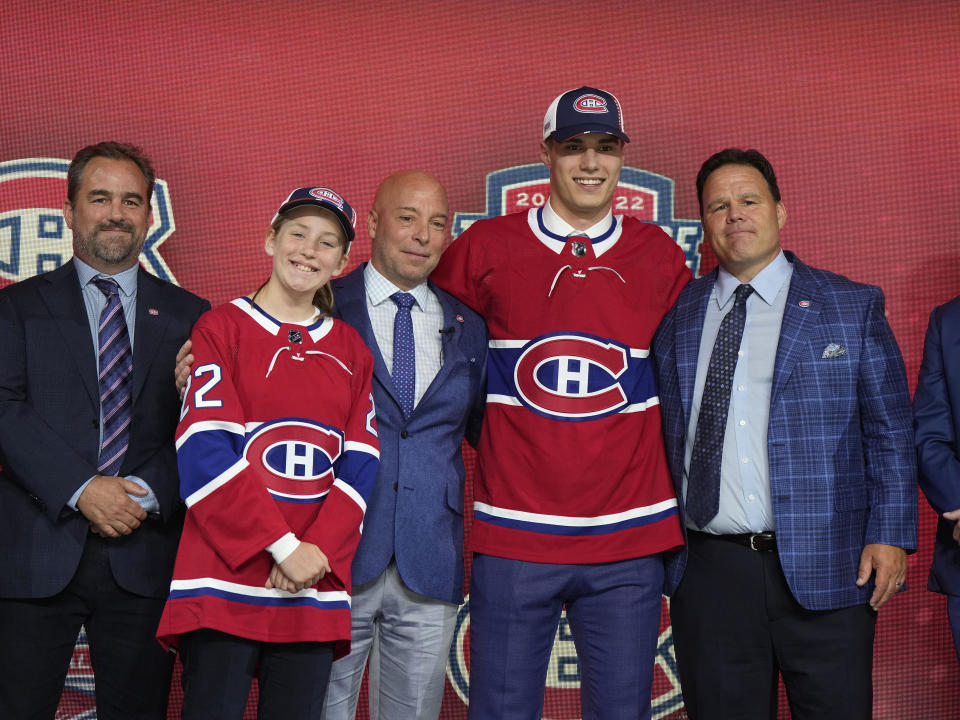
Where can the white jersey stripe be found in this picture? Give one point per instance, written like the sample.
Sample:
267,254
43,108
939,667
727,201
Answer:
206,425
217,482
258,592
571,521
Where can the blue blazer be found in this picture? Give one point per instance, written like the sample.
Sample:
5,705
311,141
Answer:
840,436
415,512
49,432
936,412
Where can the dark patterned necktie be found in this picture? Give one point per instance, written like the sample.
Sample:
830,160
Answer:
703,483
404,357
116,365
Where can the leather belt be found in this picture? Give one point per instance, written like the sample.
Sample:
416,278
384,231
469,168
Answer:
760,542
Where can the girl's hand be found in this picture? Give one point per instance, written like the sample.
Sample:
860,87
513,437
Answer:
305,566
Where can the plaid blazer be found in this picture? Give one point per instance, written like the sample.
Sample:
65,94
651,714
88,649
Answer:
840,436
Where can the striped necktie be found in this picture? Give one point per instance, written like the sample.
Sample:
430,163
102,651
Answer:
115,361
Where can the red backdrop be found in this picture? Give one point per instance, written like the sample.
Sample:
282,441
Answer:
855,103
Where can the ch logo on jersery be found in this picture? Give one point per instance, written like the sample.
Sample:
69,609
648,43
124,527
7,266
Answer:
572,375
33,235
298,457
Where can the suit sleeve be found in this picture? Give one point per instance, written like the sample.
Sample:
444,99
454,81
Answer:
338,526
232,508
159,471
935,423
38,459
887,429
478,403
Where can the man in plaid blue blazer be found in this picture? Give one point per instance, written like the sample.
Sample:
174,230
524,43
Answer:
798,483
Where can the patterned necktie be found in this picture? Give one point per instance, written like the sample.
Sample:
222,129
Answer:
116,365
703,483
404,357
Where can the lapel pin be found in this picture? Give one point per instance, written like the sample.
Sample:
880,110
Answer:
459,318
804,303
153,311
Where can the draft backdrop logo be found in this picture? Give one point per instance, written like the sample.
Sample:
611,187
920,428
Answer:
641,194
34,237
562,693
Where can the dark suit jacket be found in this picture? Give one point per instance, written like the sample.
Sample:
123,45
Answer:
936,408
49,432
415,511
839,439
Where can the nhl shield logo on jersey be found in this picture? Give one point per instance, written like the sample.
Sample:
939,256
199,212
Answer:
33,235
641,194
297,457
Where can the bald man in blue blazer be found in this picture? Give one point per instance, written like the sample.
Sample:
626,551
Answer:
408,570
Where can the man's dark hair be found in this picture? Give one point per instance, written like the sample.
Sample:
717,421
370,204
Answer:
736,156
114,151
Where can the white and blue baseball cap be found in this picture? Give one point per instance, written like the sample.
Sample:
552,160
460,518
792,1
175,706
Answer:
583,110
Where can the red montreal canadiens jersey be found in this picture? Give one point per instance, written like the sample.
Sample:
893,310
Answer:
277,435
571,463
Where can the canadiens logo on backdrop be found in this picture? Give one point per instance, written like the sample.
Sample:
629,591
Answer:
590,104
297,456
641,194
561,699
34,237
78,701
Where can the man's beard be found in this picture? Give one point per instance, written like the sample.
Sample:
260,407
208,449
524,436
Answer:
114,252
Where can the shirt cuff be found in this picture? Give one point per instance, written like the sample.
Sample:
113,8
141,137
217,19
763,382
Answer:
149,501
282,548
72,502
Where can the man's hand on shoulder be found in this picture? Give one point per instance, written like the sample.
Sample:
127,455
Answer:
890,565
184,362
106,504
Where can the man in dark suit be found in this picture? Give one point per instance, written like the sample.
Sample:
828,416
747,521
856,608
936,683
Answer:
936,413
90,512
408,570
788,434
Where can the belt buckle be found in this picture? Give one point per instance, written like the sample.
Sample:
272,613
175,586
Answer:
762,536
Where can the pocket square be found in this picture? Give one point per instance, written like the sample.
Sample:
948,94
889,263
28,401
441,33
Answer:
833,350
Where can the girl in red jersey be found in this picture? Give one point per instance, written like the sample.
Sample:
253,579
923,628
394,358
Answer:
277,452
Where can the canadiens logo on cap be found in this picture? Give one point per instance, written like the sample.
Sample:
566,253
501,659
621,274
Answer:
327,194
590,103
583,110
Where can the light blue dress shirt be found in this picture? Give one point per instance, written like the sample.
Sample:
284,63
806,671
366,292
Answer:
745,504
94,301
427,317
